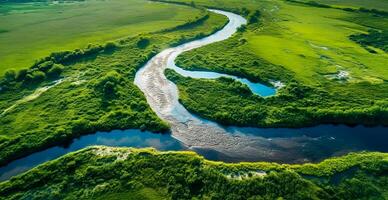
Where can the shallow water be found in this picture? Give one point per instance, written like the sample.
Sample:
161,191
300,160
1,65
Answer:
256,88
118,138
297,145
213,141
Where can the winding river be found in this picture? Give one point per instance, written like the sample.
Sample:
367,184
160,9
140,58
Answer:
213,141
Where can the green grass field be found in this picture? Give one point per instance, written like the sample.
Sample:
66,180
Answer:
30,31
313,42
369,4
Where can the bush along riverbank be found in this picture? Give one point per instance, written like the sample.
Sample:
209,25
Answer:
116,173
79,92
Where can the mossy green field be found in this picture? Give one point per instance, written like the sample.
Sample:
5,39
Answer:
31,31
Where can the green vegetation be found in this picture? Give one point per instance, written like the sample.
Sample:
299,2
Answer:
67,25
54,95
144,193
372,11
230,102
373,38
234,60
70,93
329,77
356,4
117,173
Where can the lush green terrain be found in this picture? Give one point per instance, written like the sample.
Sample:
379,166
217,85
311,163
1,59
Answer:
331,56
370,4
77,92
30,31
333,69
117,173
377,39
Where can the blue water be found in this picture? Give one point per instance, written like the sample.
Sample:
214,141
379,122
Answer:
305,144
256,88
117,138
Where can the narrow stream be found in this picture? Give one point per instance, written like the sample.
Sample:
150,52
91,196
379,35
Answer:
230,144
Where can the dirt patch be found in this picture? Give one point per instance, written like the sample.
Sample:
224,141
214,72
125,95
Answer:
121,154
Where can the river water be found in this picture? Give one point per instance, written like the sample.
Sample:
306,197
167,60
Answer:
213,141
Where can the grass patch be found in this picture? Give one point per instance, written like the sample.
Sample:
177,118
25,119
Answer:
144,193
370,4
308,48
71,25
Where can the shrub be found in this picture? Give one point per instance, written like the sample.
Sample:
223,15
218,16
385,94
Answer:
109,89
10,75
45,66
143,43
35,77
108,83
21,75
55,71
254,17
110,46
242,28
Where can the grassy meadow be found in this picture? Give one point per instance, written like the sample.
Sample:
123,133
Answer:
31,31
313,42
370,4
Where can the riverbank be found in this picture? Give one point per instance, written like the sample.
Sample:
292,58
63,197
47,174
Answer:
106,172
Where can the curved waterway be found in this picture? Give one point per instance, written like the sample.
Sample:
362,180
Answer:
213,141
